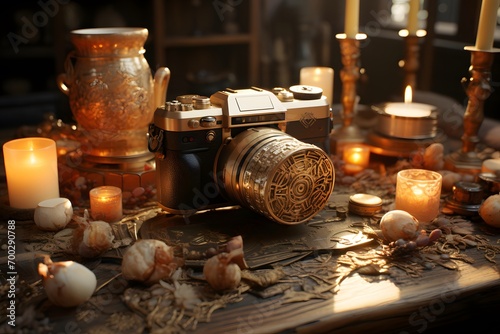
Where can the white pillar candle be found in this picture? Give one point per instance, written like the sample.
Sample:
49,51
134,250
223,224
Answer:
106,203
321,77
351,26
31,171
413,17
487,24
418,192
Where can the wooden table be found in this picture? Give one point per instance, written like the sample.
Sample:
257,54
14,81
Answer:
438,298
434,300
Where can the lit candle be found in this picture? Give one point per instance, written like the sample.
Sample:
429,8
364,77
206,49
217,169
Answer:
351,26
413,17
321,77
409,108
487,24
31,171
356,158
106,203
418,192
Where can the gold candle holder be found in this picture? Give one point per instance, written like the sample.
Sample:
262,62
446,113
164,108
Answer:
411,62
478,89
349,75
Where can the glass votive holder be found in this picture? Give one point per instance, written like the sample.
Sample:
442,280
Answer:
106,203
418,192
31,171
356,158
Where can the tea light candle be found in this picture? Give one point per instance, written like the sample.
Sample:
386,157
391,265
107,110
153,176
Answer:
320,77
409,108
356,158
106,203
418,192
491,166
31,171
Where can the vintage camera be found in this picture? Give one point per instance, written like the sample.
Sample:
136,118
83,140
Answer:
264,150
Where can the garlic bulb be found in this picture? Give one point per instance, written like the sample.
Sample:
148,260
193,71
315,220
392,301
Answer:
53,214
67,283
221,272
399,224
149,261
91,239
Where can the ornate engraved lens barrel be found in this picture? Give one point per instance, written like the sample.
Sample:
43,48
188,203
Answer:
275,174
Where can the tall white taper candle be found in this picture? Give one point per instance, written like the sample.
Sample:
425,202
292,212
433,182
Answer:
487,24
351,26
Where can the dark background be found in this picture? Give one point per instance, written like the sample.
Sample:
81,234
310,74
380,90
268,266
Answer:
292,34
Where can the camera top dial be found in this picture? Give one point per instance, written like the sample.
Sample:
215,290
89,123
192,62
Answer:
305,92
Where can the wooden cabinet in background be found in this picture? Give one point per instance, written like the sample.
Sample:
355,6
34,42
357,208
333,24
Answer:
208,45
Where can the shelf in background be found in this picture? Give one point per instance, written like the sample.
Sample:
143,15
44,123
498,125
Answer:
207,40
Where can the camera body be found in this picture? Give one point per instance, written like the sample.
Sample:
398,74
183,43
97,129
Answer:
189,133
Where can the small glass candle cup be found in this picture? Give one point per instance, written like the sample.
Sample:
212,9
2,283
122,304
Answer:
418,192
106,204
356,158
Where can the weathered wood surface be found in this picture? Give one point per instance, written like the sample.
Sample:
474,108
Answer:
440,297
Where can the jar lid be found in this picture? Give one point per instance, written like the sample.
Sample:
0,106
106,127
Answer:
468,192
364,204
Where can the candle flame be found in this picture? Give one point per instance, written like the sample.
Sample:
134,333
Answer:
417,191
408,94
356,156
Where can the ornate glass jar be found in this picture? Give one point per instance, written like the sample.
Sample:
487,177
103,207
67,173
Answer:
111,91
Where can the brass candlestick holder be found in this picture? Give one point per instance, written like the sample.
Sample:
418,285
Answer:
478,89
349,75
411,62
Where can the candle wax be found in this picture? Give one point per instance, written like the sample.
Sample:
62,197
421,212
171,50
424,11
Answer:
319,77
487,24
351,26
408,109
413,17
31,171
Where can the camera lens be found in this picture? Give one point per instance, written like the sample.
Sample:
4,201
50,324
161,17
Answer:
275,174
